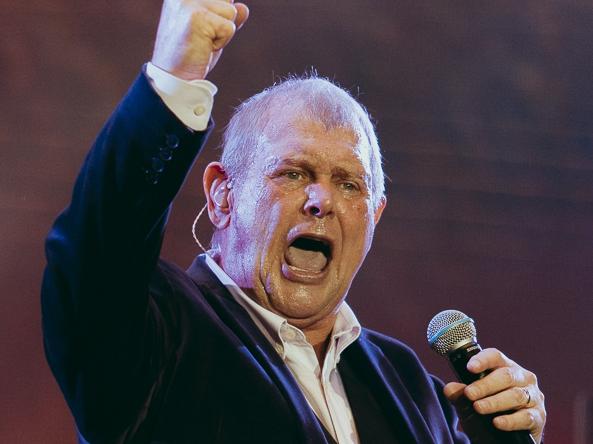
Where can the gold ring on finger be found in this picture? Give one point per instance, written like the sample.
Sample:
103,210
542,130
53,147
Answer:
528,395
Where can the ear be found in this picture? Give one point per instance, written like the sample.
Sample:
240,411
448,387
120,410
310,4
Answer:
217,191
380,208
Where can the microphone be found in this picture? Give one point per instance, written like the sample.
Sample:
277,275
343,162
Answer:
452,334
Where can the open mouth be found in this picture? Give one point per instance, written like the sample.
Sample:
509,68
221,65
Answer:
308,254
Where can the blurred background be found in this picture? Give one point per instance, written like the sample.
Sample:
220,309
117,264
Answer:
485,115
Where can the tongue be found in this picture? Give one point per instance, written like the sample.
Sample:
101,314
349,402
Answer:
306,259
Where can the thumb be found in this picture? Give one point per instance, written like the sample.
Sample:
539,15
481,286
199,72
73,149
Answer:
242,14
453,391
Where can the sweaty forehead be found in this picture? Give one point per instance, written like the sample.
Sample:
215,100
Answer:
313,147
313,139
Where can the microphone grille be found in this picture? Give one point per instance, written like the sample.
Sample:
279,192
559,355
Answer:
449,328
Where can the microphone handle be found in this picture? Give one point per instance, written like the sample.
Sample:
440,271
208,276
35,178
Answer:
479,427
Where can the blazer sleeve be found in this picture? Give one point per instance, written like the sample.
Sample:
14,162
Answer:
101,251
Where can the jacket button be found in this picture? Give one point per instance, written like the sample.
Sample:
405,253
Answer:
157,165
165,153
172,141
151,177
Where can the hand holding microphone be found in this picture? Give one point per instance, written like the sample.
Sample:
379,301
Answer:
505,396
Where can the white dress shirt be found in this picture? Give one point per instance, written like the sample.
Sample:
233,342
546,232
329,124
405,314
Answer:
322,387
191,102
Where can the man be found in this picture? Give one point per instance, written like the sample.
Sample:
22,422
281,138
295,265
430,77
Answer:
254,343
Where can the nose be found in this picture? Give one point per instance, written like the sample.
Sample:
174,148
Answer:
319,200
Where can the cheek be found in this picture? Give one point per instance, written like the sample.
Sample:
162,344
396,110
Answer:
247,224
359,227
263,222
252,205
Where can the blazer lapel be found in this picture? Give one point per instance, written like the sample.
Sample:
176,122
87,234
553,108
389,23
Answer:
383,379
238,320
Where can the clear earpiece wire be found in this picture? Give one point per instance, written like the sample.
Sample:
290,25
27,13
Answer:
193,227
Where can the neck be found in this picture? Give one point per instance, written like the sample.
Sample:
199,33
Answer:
318,336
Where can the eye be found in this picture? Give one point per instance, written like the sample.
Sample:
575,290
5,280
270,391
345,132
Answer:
293,175
349,187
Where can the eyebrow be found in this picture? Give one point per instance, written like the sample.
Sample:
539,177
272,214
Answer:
300,162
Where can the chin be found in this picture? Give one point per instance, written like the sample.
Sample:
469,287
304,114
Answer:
303,297
304,305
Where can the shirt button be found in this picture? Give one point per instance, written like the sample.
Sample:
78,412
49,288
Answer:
199,110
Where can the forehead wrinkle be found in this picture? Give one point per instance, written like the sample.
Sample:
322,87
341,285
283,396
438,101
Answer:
297,152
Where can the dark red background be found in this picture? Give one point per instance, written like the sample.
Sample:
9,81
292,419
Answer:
484,111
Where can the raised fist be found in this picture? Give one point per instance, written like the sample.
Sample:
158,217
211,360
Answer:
192,34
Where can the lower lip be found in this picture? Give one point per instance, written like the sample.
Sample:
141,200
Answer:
304,276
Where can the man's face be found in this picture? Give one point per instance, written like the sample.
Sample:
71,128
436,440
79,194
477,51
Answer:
302,221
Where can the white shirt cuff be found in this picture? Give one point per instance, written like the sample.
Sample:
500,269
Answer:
191,101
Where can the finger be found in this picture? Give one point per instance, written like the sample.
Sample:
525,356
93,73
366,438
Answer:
487,359
524,419
499,380
242,14
220,30
222,8
453,391
511,399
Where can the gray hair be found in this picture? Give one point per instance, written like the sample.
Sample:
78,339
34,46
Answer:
309,97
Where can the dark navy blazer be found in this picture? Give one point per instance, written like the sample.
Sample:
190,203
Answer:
147,353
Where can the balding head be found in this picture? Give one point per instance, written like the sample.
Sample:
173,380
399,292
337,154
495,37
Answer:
264,115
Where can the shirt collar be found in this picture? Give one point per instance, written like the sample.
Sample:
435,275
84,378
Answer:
274,327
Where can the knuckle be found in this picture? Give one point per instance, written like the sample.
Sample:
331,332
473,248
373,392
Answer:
507,376
226,29
530,419
230,12
495,352
490,351
198,16
519,395
540,417
504,358
504,422
482,406
499,358
475,390
532,377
